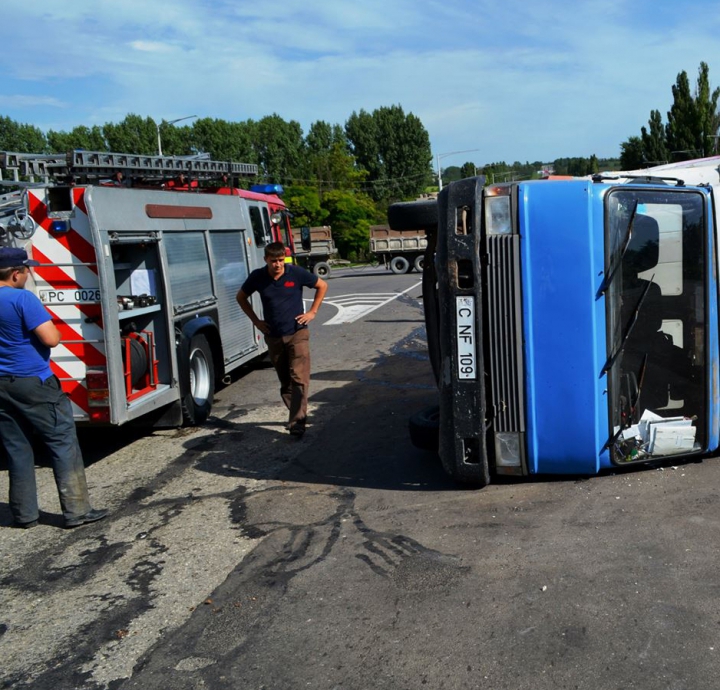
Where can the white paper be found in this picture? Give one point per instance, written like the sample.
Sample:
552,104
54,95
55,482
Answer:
671,439
631,432
142,282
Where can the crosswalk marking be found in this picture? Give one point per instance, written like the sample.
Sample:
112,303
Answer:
353,307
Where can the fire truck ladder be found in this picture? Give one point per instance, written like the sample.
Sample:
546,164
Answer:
86,165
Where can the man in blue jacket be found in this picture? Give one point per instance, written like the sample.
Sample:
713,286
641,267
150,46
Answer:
32,401
285,325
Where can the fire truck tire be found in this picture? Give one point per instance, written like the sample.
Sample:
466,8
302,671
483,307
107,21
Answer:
424,427
413,215
321,269
419,263
196,405
399,264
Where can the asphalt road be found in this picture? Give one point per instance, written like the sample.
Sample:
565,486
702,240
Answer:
238,557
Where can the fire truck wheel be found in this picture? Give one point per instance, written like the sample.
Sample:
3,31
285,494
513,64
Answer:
321,269
399,264
419,263
424,427
196,405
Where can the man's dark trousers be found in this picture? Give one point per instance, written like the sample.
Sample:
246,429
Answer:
29,405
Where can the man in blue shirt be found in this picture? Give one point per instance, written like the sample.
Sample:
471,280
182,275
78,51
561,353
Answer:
31,401
284,324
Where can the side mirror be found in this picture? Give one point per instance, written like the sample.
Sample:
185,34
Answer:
305,240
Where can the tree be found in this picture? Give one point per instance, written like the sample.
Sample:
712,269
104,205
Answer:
80,137
691,129
20,138
631,154
278,148
177,141
451,174
682,117
223,140
350,214
393,148
653,141
468,170
133,135
328,161
706,108
304,204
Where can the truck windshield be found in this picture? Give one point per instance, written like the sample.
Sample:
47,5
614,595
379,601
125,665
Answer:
655,308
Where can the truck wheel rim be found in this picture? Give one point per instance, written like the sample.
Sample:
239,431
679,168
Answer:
199,377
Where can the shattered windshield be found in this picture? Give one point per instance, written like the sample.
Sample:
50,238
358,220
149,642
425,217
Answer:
656,322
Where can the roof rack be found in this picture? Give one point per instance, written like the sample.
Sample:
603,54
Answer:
641,179
87,165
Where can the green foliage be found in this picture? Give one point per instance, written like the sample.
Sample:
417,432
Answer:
223,140
502,172
631,154
278,148
653,141
133,135
328,161
20,138
304,204
691,129
79,138
351,215
468,170
393,148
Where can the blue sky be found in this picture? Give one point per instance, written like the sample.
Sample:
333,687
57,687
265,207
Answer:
515,79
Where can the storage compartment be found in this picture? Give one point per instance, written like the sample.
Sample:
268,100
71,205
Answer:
143,329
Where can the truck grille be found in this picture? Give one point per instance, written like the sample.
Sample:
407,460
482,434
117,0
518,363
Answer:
504,333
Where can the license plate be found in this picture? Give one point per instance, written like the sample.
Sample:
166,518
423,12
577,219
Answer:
78,296
466,346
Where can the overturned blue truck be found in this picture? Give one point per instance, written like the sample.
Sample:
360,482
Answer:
572,324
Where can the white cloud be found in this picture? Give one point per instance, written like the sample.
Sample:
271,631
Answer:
22,101
520,80
151,47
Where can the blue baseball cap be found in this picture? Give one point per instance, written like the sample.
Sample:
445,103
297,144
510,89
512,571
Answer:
10,257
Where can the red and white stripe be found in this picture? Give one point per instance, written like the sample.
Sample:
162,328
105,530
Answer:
82,344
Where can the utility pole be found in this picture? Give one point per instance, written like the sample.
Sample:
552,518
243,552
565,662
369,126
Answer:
172,122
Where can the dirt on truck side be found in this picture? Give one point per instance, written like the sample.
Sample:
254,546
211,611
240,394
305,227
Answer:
399,250
321,255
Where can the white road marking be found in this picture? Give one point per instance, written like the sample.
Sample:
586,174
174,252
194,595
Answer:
353,307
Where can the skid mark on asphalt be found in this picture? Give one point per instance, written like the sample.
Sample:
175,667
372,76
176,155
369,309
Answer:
353,307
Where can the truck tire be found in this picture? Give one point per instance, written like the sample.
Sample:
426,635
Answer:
321,269
399,264
413,215
424,427
419,263
196,405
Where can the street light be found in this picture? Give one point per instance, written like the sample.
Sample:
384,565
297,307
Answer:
445,155
172,122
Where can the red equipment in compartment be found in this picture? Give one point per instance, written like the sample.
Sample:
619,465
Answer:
140,352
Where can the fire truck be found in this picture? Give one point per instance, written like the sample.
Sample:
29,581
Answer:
573,325
141,280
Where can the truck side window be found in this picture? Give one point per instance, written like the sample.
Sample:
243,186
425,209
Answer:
257,226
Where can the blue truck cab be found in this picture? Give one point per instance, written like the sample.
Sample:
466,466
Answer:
572,324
